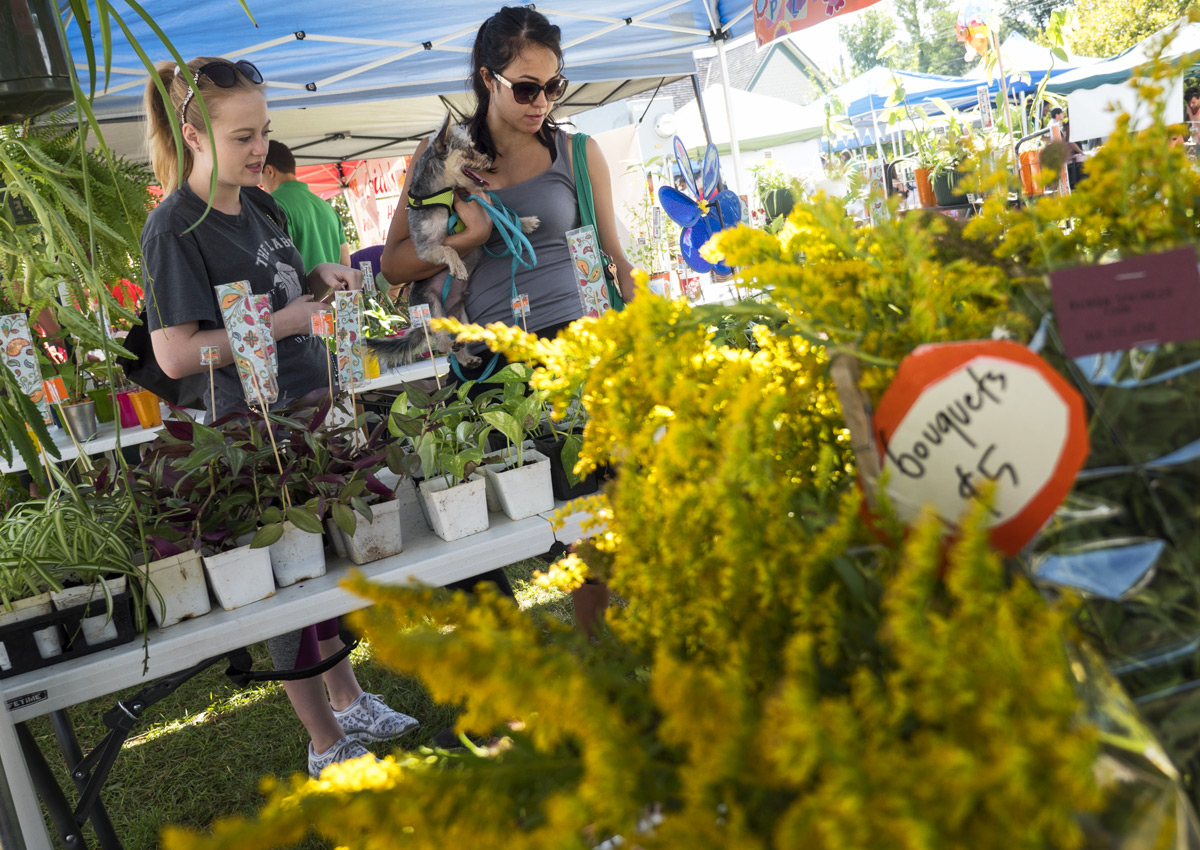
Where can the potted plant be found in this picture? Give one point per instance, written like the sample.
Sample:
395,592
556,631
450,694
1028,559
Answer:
331,475
955,147
77,410
218,472
561,443
449,438
73,544
655,242
774,189
518,482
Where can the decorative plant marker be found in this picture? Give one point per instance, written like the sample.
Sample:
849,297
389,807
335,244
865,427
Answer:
56,390
709,212
589,274
16,340
418,317
209,355
960,415
252,344
520,308
322,326
368,273
349,327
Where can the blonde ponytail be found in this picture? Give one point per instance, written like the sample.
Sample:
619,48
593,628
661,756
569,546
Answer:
160,138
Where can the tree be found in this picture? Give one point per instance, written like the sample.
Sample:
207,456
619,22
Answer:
864,39
1107,27
926,28
1029,19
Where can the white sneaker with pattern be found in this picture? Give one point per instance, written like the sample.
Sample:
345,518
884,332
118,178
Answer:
369,719
344,749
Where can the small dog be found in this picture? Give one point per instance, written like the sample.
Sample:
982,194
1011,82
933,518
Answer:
450,162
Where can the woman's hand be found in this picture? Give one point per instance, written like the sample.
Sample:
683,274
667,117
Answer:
474,217
331,277
296,318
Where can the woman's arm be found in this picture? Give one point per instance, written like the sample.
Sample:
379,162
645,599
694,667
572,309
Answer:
606,218
400,263
177,348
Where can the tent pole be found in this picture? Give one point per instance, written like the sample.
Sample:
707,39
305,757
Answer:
700,106
879,148
734,148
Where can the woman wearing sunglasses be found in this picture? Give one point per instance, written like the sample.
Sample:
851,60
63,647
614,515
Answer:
517,75
244,237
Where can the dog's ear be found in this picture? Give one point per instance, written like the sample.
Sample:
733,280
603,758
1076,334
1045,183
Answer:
441,142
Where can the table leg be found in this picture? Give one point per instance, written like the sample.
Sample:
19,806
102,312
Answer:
61,814
106,836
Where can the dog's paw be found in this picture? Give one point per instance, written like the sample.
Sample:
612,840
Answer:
467,361
457,268
529,223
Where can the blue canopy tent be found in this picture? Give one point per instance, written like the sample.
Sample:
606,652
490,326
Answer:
371,78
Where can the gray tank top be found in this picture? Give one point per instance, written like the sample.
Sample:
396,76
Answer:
551,287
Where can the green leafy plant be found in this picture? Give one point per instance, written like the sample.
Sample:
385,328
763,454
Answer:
446,429
517,413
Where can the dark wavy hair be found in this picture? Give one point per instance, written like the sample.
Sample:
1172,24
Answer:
499,41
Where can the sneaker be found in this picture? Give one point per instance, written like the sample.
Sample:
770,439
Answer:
344,749
368,719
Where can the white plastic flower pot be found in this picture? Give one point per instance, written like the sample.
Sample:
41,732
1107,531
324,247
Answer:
179,579
297,556
379,538
458,511
240,576
47,641
521,491
336,537
99,628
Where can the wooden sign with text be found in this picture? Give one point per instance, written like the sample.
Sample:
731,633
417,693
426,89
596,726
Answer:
959,416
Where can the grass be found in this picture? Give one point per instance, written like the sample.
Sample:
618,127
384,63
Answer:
199,754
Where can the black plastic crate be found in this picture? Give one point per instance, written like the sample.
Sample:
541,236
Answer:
22,649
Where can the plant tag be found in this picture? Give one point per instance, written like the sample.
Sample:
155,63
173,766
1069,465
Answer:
520,307
960,415
368,273
17,344
56,390
321,324
247,321
982,94
1142,301
209,355
418,315
349,328
589,274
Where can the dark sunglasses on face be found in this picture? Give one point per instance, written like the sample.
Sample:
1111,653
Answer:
527,92
223,74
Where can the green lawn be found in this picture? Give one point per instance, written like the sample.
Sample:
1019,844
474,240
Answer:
200,753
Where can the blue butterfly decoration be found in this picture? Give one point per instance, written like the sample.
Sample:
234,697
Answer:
710,212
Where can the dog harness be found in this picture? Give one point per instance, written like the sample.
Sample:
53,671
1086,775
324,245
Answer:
442,198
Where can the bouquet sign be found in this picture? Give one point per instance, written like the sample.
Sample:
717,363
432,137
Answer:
22,362
961,416
589,270
349,328
251,340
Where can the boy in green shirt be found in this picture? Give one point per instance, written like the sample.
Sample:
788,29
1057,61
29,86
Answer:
314,227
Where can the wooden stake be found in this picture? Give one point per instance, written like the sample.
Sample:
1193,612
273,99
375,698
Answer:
287,501
432,358
856,408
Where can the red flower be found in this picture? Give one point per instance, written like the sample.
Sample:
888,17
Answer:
127,293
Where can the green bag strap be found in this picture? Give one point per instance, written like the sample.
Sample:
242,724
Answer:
587,207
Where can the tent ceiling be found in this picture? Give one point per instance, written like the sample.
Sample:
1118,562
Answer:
381,75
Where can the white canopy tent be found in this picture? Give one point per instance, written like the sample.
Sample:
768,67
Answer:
1098,93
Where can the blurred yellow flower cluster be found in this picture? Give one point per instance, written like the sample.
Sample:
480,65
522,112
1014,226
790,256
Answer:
777,676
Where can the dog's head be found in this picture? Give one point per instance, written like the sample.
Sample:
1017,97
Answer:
464,165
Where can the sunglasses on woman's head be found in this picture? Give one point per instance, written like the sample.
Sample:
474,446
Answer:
224,75
527,92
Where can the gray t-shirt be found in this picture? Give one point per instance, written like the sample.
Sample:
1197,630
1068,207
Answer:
181,269
551,287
